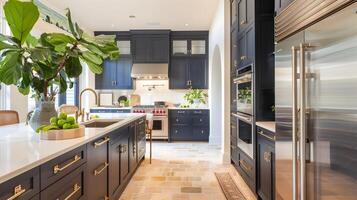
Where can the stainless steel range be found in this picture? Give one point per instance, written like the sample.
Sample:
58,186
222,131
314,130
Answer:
160,125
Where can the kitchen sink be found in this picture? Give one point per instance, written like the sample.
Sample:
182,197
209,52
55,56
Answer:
100,124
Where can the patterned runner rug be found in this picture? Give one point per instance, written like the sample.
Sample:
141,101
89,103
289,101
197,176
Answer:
229,187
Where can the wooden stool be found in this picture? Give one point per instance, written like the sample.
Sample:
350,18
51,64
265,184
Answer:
8,117
148,131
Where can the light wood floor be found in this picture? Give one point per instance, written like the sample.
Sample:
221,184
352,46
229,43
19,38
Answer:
182,171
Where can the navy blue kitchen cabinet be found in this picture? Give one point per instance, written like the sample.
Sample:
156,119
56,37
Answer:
188,73
150,46
189,125
189,60
198,73
178,73
116,74
265,164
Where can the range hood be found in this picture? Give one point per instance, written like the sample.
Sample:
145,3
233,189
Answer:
152,71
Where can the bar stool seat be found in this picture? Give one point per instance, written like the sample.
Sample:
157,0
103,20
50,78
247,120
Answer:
8,117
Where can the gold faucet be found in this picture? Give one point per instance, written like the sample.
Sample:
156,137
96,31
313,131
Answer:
81,111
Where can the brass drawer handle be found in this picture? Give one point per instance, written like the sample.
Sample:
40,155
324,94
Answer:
97,172
18,191
243,57
57,168
245,165
98,144
267,156
266,136
76,188
123,149
243,22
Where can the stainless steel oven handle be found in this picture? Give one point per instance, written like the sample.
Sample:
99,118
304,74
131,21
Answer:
242,117
294,51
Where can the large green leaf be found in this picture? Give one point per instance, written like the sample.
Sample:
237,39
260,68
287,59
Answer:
63,84
31,41
73,67
93,48
10,70
58,40
87,55
70,24
97,69
21,17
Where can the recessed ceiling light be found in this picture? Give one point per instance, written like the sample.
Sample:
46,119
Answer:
112,25
132,16
186,24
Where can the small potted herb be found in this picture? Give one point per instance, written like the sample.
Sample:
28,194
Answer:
196,97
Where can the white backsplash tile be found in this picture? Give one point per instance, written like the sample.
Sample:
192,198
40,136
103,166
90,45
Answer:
149,94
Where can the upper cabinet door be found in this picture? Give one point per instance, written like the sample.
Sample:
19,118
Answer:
141,49
245,14
124,47
159,49
198,72
179,73
179,47
123,73
198,47
106,80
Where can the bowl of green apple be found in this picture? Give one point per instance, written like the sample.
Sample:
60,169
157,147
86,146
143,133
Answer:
61,127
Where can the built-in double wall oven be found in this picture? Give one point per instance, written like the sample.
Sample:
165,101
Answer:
243,84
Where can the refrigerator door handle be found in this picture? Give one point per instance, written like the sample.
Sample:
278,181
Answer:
294,51
303,122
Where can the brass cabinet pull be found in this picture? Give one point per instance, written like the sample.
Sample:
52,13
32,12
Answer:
98,144
201,120
245,165
243,57
267,156
243,22
76,188
97,172
188,83
266,136
18,191
177,120
57,168
123,149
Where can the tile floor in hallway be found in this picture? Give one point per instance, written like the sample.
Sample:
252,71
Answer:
181,171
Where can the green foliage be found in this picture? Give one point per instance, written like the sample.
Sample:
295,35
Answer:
245,95
194,94
53,58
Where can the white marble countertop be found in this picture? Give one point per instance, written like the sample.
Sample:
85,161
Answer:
113,107
178,108
268,125
21,148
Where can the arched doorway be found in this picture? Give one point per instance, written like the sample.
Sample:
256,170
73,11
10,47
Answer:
216,96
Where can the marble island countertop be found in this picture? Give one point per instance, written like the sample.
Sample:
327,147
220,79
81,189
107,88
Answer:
179,108
268,125
21,149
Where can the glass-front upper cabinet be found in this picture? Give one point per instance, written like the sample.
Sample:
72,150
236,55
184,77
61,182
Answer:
198,47
124,47
179,47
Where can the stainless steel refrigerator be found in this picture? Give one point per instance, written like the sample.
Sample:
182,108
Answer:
316,111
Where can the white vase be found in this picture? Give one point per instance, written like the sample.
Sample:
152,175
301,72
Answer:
196,103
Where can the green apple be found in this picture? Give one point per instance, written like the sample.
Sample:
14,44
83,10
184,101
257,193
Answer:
71,120
61,122
67,126
62,115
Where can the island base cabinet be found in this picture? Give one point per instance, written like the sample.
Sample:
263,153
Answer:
97,169
118,162
72,186
24,186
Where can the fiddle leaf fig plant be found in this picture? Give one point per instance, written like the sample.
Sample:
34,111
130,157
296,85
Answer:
51,59
196,94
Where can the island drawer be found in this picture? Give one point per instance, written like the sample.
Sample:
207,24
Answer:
72,186
58,167
24,186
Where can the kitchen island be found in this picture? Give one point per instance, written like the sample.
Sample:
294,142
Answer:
105,158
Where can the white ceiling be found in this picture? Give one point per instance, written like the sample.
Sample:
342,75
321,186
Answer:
150,14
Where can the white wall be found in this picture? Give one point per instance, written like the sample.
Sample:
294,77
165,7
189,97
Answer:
216,63
220,78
